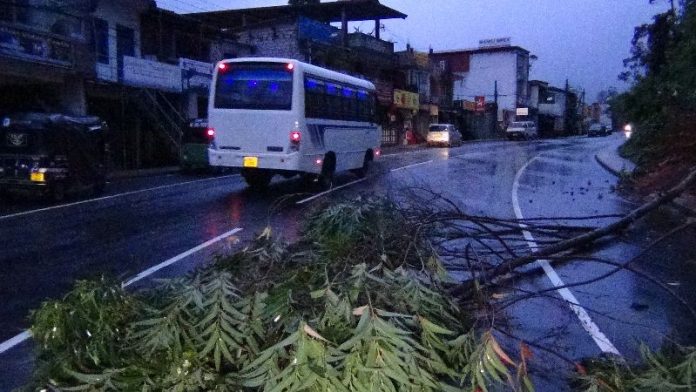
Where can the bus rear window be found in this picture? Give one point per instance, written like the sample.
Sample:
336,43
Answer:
258,86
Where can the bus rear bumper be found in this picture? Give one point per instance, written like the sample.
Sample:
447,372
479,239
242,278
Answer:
286,163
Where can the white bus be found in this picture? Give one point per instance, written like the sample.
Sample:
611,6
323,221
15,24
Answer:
281,116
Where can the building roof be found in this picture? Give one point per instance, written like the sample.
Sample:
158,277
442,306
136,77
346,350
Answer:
355,11
491,49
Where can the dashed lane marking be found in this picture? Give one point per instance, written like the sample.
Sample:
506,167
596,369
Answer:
410,166
318,195
24,336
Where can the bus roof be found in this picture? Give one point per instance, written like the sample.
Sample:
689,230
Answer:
308,68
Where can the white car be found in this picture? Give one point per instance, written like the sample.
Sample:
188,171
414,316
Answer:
443,135
522,130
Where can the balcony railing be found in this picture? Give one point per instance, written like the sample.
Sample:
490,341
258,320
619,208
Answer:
365,41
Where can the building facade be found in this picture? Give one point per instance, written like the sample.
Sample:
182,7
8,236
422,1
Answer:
45,56
305,32
489,74
554,109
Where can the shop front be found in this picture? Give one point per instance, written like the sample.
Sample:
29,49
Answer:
403,116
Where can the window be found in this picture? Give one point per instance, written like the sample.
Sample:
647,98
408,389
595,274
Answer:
101,40
259,86
337,101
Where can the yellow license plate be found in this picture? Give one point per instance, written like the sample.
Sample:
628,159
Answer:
251,162
37,177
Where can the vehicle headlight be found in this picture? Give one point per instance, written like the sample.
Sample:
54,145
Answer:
628,128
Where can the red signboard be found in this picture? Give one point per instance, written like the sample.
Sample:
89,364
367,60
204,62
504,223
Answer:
480,103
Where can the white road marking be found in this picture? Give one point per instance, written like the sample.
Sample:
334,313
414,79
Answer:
472,155
24,213
602,341
22,337
4,346
318,195
410,166
179,257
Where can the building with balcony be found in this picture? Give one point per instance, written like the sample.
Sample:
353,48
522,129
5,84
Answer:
318,34
44,56
153,71
419,79
497,74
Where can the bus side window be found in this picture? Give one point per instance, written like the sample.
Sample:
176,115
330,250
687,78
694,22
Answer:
333,104
363,106
315,101
348,104
372,108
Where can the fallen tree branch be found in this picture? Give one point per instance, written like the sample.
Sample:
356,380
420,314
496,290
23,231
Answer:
587,238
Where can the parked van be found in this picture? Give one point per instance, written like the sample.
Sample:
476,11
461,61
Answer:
522,130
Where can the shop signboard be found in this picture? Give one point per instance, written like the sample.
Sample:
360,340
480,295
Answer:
406,100
34,47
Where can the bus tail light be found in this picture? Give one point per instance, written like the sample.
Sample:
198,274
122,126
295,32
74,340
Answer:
295,137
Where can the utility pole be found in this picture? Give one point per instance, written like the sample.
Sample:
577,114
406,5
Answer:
495,94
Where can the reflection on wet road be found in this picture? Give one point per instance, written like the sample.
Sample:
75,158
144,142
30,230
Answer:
141,225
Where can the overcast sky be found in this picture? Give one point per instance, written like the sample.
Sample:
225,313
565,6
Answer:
584,41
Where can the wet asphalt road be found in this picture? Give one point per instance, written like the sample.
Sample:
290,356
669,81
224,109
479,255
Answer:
143,222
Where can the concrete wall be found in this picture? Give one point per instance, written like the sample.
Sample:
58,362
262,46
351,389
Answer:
555,109
484,70
278,41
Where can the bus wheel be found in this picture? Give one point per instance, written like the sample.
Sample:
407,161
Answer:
257,179
367,162
325,179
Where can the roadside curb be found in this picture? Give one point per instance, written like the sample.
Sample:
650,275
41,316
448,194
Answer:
124,174
684,202
608,168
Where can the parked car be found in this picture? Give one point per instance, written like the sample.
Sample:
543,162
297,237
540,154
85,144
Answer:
52,154
522,130
597,129
194,145
443,135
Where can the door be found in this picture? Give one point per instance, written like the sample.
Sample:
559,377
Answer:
125,46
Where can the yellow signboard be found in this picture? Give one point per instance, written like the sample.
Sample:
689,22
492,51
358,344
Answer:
406,100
